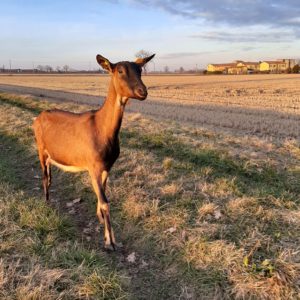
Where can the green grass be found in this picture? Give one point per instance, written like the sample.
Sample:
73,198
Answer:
202,223
23,103
251,181
35,239
41,257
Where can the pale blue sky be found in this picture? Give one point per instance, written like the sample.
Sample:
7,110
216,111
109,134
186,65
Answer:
181,32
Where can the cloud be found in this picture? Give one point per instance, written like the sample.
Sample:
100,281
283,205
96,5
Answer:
177,55
233,12
248,48
246,37
278,20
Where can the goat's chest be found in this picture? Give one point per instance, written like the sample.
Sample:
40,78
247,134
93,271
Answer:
109,152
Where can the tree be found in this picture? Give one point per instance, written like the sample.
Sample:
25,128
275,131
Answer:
66,68
40,68
166,69
181,70
296,69
48,68
142,54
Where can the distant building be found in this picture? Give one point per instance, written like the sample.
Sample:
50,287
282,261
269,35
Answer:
237,67
246,67
220,67
276,66
251,66
291,63
3,70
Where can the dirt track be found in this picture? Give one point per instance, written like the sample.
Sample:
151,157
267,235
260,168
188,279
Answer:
226,118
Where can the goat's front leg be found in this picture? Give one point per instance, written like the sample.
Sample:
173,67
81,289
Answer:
103,211
104,177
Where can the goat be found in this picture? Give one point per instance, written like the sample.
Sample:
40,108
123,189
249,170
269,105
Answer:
89,141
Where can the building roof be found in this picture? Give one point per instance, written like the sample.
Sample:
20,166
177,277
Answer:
224,65
274,62
230,65
250,62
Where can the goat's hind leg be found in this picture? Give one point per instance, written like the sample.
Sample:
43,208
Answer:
45,165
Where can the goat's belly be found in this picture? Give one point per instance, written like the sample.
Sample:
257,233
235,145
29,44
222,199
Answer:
66,168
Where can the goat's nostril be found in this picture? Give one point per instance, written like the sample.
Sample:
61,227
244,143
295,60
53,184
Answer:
141,91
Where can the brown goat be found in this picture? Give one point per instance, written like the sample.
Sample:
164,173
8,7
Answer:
89,141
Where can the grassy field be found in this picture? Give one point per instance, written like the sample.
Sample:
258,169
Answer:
199,214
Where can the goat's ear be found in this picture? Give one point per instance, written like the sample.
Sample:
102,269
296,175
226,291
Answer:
142,61
105,63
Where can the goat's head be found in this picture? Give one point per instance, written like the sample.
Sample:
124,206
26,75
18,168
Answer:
126,77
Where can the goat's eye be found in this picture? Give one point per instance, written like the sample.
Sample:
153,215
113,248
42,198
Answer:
120,71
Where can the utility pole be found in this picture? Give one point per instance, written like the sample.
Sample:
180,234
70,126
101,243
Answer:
153,66
10,65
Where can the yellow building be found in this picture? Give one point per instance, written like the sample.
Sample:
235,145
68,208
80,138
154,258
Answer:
238,68
220,67
251,66
246,67
276,66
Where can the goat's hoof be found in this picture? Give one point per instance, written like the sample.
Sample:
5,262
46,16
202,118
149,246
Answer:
110,247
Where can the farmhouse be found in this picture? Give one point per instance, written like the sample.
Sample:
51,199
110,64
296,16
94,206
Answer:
245,67
277,66
220,67
251,66
237,67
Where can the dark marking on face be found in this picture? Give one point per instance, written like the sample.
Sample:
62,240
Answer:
129,83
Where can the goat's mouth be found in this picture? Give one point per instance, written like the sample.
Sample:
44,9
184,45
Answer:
140,95
141,98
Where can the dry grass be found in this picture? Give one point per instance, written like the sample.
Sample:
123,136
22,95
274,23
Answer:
208,215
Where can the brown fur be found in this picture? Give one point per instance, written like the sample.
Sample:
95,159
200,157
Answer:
89,141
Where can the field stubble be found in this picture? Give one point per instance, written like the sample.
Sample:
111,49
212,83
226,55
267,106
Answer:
264,105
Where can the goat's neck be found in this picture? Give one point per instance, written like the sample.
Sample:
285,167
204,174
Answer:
111,113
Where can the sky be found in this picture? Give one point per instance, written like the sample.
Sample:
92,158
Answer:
182,33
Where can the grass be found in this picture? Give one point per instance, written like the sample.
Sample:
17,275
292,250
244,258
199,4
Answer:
204,218
40,258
